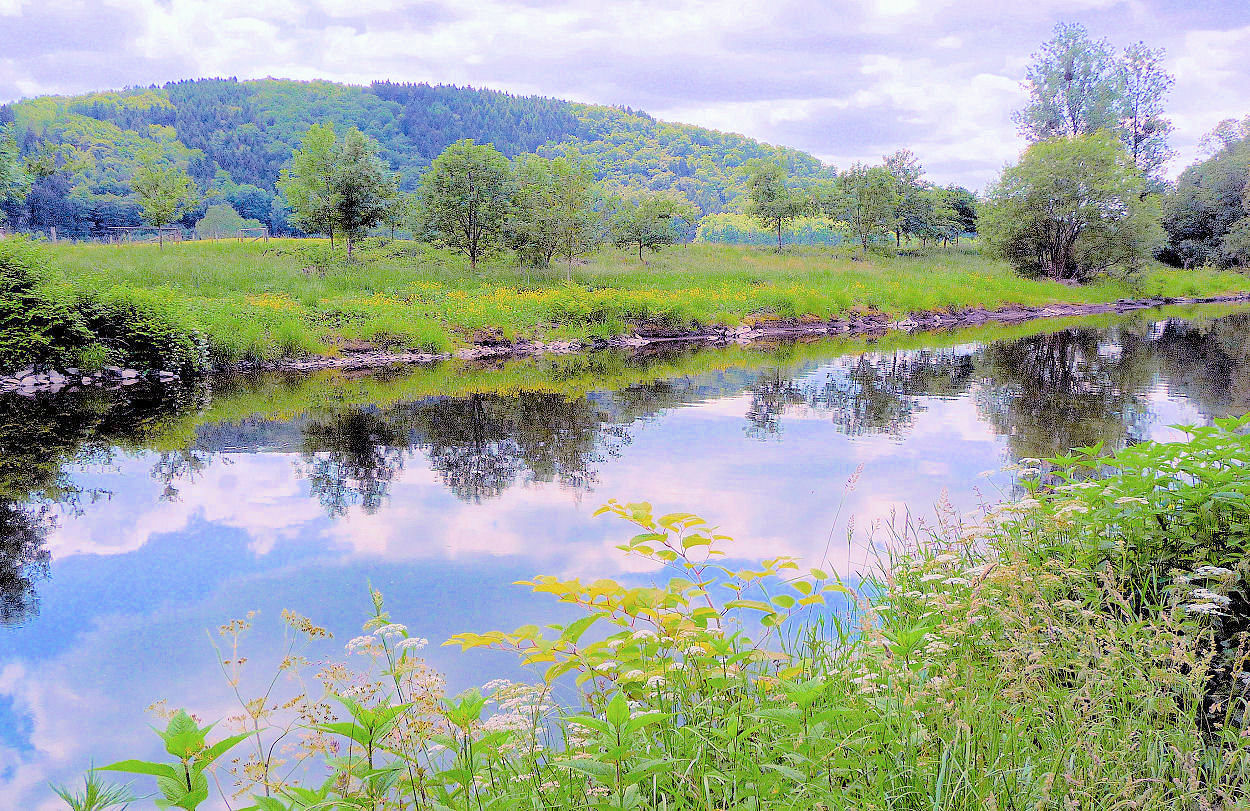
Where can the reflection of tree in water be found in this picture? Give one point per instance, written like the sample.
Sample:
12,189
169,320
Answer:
23,560
39,438
1050,393
867,394
479,445
351,458
1208,364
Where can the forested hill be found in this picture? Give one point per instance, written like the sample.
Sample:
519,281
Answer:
234,137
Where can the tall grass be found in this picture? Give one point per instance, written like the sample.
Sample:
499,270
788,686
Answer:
287,297
1073,649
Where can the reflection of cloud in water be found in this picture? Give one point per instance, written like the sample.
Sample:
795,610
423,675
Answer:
257,493
135,579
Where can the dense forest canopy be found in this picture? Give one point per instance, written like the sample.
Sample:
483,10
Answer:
234,138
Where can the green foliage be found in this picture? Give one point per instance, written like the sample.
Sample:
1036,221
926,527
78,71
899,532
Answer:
163,192
236,138
184,783
360,188
38,322
14,179
867,199
650,220
306,182
1210,198
466,198
556,209
739,229
770,199
96,795
1079,86
1072,208
222,220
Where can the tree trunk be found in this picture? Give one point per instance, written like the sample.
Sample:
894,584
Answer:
778,235
160,237
640,259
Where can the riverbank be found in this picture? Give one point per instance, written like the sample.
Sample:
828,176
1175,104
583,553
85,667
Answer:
292,302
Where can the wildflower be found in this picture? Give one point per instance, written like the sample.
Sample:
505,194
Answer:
1210,609
412,643
634,675
1212,571
655,681
1029,472
1028,504
1131,500
604,667
1211,597
392,630
363,645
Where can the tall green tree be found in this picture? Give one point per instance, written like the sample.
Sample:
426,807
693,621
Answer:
650,220
1073,86
1078,85
1144,86
867,202
466,197
1071,208
770,199
557,209
306,181
1210,197
164,193
361,188
910,210
14,180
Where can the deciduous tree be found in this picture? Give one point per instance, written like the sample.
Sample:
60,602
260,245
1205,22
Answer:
466,197
361,188
650,220
306,181
1072,207
771,200
867,201
163,192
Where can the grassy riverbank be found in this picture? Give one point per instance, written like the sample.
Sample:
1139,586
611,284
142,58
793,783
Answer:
264,301
1077,648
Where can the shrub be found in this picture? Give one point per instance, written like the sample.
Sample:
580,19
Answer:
38,323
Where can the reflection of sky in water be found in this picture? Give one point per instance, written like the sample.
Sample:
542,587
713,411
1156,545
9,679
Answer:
136,580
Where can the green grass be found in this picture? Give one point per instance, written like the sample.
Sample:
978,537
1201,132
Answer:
256,301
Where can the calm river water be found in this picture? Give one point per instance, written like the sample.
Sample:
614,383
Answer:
132,523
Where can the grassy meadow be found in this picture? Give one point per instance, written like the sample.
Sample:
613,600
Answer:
262,301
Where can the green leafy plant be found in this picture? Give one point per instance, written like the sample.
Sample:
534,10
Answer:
183,784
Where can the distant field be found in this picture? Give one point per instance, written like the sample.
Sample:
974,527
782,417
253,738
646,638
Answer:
287,297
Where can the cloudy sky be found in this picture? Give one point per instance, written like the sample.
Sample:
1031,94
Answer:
843,80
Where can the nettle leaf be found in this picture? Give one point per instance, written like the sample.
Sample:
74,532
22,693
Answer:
183,737
220,748
141,767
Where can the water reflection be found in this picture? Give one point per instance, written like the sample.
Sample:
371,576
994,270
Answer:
139,518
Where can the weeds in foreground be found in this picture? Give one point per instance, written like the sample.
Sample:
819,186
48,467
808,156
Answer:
1057,655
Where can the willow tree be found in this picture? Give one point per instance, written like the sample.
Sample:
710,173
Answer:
1071,208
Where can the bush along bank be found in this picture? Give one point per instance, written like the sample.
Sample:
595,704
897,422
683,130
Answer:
52,337
1079,647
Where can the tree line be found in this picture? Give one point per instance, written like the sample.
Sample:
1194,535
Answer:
475,201
1088,196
